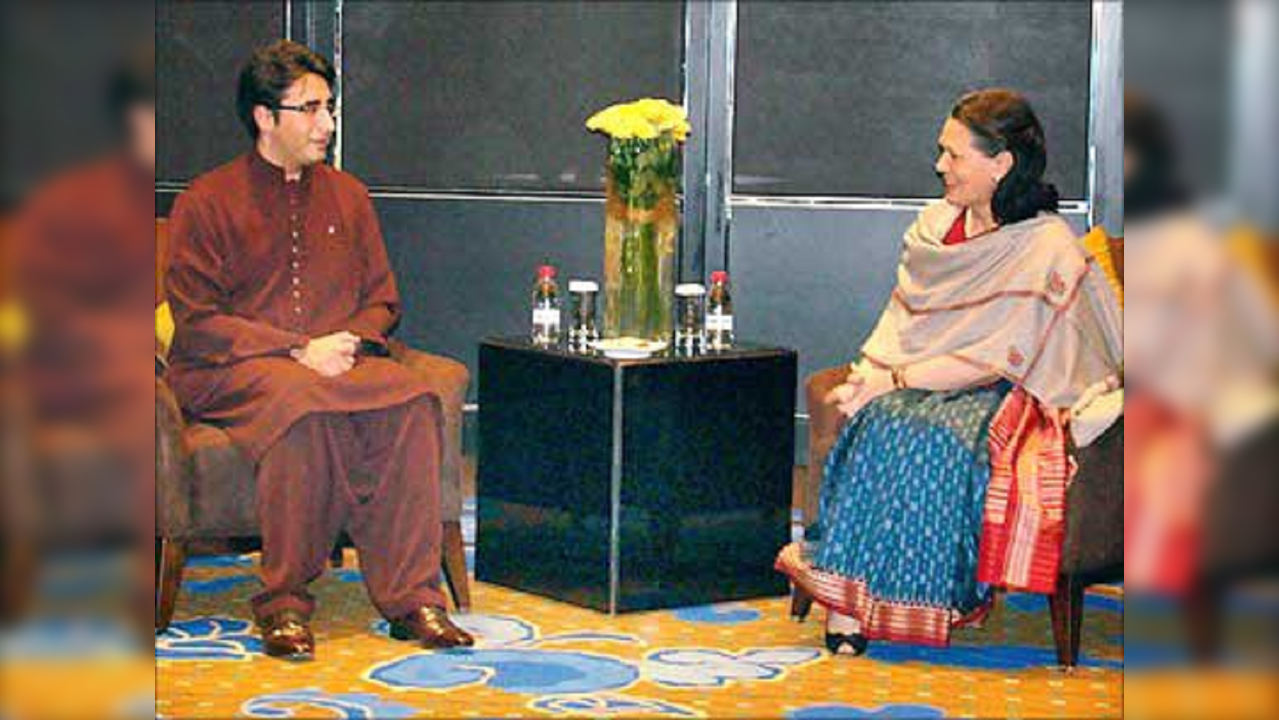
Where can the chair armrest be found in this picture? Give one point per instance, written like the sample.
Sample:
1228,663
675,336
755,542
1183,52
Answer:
1088,423
172,461
403,354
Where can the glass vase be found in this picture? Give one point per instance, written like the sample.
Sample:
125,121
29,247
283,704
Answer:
641,225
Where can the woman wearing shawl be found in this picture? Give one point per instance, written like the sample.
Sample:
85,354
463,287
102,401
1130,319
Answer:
998,325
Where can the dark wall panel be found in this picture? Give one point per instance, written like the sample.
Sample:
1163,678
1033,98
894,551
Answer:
466,267
496,95
847,98
200,48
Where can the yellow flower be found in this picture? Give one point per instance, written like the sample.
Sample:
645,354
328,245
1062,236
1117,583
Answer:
646,119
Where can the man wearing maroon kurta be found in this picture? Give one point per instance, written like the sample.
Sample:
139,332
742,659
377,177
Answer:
282,298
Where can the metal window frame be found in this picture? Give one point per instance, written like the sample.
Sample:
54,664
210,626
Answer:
1106,118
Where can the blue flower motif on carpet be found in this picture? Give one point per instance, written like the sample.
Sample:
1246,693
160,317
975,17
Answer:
849,712
724,614
980,657
525,672
216,585
715,668
609,706
212,638
304,703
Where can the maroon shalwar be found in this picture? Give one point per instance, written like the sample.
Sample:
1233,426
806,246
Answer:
257,266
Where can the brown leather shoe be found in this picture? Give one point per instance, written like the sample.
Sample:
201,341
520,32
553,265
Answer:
431,627
287,636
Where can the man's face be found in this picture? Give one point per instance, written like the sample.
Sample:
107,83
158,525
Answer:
300,137
142,135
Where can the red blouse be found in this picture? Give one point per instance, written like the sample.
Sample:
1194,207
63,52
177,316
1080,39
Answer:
956,235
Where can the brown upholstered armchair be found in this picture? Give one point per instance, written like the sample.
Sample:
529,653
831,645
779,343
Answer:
205,487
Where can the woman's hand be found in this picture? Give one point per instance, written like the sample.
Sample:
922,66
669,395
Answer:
864,383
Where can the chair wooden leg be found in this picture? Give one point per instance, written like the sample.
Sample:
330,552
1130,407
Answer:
454,561
171,559
1066,606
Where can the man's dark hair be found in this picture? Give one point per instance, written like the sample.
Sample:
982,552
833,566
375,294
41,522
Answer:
269,73
131,83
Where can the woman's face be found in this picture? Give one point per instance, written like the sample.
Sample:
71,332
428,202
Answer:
969,175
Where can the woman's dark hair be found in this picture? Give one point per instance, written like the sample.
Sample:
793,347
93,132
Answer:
1001,120
269,73
131,83
1152,186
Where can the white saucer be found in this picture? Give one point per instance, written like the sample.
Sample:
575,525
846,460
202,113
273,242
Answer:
628,348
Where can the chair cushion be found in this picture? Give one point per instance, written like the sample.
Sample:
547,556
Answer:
222,488
1108,253
13,326
163,328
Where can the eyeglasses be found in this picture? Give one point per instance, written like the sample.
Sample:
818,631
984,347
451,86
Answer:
312,109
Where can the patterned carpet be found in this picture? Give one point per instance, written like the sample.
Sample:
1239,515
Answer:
537,657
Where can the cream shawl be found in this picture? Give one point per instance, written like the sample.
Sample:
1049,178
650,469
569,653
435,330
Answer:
1025,302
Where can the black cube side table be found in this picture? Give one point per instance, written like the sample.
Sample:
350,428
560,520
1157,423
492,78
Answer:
637,484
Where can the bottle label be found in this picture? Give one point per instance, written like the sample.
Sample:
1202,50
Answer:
719,323
546,317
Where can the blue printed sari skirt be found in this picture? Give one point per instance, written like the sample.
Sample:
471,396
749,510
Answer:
901,516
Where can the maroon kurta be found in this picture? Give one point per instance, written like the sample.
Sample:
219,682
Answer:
258,266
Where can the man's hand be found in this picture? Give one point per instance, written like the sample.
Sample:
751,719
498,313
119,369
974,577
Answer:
331,355
863,385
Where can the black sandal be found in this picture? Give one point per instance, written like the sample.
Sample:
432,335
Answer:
840,644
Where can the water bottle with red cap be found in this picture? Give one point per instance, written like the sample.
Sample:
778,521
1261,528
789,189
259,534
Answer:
719,313
546,307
